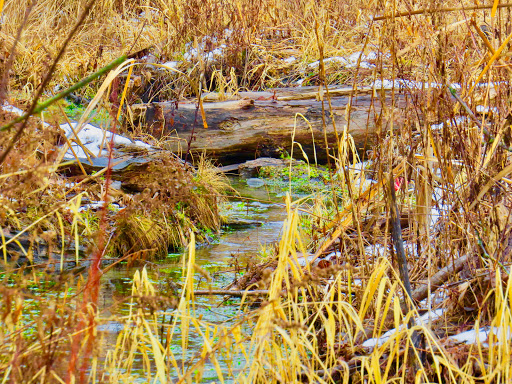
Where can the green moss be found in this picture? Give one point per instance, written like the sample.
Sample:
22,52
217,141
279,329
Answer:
304,178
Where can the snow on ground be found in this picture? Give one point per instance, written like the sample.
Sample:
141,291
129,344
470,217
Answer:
94,206
290,60
423,320
13,109
172,64
456,120
350,61
482,336
485,109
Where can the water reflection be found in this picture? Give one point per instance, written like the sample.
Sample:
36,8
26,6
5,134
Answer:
222,260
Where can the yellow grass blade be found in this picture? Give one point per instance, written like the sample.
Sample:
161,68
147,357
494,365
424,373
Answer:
491,61
494,8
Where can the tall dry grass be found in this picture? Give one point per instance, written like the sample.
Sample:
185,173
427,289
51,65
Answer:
454,161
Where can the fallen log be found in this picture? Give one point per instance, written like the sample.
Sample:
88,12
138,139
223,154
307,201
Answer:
228,292
264,124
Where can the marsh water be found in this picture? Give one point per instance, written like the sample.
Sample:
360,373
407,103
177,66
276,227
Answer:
257,215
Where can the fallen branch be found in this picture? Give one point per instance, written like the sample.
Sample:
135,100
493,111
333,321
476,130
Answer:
435,10
440,278
227,292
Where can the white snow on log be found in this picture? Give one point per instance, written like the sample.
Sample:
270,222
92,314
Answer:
419,85
93,137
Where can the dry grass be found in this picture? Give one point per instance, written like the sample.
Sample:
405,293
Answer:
312,325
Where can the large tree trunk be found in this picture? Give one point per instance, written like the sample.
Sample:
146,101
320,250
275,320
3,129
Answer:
263,123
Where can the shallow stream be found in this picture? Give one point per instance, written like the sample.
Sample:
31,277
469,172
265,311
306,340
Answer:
232,251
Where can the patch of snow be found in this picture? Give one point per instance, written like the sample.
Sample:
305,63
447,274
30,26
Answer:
378,341
300,82
363,185
361,166
92,206
429,316
404,84
471,336
439,207
12,109
332,255
375,250
350,61
420,321
193,53
172,64
92,138
290,60
436,297
98,205
482,336
485,109
418,85
449,123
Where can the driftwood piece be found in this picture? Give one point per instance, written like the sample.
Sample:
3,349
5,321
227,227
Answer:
264,124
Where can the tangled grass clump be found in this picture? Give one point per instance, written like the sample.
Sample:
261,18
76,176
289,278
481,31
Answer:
174,200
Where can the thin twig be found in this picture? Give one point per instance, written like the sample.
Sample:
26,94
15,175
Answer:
434,10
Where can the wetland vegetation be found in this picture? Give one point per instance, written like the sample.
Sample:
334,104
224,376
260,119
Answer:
373,247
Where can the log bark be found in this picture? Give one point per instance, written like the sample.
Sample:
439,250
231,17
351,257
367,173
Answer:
263,123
